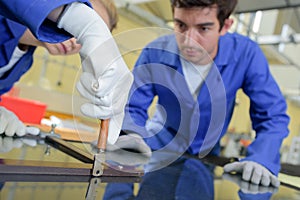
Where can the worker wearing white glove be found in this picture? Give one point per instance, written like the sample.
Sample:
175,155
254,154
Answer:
253,172
106,79
9,143
247,187
11,125
130,142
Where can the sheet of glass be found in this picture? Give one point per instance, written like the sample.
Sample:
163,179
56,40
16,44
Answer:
167,176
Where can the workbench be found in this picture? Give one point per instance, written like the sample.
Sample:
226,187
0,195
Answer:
44,171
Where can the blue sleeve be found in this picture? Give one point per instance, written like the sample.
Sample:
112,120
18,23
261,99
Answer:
33,14
10,32
140,97
267,112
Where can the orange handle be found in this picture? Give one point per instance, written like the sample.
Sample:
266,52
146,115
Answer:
102,139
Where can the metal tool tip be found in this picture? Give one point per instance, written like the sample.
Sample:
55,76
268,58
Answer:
101,150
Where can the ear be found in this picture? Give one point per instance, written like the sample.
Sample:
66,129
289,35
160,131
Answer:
227,25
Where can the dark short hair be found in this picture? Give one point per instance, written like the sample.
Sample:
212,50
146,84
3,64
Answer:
225,7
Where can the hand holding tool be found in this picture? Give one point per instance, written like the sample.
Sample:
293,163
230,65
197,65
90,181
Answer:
109,73
253,172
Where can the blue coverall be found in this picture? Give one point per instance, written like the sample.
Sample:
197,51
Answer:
196,127
31,14
171,182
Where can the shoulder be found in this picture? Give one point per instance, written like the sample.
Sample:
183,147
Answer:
235,40
163,50
166,42
238,46
164,46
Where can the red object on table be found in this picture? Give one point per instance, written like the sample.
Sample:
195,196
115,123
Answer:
28,111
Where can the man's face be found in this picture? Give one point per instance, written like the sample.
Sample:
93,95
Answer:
197,33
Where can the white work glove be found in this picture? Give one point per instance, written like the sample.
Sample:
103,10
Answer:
253,172
131,142
128,152
248,187
106,79
9,143
11,125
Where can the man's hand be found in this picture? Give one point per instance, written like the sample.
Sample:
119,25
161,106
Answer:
253,172
9,143
248,187
67,47
105,103
11,125
130,150
131,142
106,79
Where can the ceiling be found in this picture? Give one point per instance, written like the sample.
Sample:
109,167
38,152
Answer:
156,10
254,5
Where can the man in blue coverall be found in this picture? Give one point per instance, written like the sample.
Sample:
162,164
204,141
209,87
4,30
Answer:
105,73
196,73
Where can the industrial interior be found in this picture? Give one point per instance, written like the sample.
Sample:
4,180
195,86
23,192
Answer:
273,24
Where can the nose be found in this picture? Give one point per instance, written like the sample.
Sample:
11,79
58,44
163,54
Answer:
190,37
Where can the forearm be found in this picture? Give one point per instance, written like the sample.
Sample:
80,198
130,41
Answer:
28,39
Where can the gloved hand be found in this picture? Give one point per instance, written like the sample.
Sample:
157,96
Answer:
129,152
131,142
253,172
9,143
106,79
248,187
10,124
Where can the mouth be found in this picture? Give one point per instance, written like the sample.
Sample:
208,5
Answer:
191,51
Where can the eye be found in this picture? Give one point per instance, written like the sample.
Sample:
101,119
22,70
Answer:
204,28
180,26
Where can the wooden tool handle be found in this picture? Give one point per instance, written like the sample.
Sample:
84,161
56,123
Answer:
102,139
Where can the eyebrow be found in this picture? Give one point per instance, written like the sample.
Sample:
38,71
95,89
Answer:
201,24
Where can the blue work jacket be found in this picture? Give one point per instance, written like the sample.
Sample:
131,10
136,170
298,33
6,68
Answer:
23,14
196,127
171,182
11,33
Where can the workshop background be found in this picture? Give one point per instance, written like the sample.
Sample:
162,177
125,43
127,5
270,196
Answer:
274,24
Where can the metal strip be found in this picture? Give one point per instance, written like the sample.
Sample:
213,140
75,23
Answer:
65,178
89,158
25,167
70,149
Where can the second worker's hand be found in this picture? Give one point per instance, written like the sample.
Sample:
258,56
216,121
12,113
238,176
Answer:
10,124
248,187
7,144
253,172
